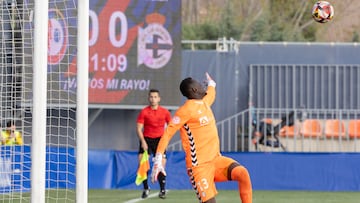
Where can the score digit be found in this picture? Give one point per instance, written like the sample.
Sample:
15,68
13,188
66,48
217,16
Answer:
94,22
115,17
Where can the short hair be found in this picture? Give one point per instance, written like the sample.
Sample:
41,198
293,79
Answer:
10,123
185,86
154,90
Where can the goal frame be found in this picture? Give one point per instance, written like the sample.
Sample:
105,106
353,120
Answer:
38,152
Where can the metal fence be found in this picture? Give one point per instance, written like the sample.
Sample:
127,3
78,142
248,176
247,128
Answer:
325,100
330,131
305,85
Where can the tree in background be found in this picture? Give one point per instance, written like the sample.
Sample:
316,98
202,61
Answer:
267,20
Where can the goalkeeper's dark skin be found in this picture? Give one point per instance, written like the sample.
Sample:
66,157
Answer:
196,91
227,169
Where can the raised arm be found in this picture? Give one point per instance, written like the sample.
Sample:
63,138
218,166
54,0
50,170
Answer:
210,93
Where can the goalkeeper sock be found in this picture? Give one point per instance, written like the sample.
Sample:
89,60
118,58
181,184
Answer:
145,184
162,181
240,174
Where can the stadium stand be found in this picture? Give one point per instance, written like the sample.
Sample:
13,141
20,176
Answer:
334,128
354,129
311,128
290,131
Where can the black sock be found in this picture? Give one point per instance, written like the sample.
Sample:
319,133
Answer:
162,181
145,184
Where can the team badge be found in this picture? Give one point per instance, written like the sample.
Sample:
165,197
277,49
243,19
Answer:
176,119
204,120
57,36
155,45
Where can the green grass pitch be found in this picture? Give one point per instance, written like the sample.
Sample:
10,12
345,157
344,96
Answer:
186,196
225,196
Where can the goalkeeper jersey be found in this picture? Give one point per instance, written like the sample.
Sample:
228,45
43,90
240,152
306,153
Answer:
198,130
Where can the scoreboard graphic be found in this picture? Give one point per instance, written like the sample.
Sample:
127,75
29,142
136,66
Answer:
134,45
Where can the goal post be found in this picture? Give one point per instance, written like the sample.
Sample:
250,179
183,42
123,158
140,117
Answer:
82,102
38,146
74,14
43,42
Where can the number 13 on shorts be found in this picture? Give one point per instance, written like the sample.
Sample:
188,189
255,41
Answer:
202,185
205,189
202,179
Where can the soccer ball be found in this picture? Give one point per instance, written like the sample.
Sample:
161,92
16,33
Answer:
322,11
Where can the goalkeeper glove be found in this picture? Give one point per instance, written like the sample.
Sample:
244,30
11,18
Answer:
210,81
157,167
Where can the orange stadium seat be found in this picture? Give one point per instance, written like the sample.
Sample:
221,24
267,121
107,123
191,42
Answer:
289,131
354,129
311,128
334,128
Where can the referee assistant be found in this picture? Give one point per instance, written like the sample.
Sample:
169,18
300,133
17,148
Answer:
151,123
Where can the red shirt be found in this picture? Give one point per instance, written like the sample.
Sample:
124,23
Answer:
154,121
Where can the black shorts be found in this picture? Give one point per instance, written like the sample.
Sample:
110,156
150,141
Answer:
152,145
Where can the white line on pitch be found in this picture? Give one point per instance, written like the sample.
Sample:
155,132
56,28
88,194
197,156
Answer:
141,199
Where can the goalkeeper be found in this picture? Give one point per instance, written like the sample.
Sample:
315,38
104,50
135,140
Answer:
200,141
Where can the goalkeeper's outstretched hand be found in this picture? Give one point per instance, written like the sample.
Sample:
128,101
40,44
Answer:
157,168
209,80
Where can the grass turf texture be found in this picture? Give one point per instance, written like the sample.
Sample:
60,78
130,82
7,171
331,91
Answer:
185,196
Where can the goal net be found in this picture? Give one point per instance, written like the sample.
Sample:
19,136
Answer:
17,97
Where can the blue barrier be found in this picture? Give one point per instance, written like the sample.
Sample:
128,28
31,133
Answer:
302,171
109,169
15,168
268,171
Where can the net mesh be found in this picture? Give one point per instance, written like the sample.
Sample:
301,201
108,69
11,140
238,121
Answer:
16,80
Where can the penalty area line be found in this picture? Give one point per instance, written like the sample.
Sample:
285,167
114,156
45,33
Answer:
141,199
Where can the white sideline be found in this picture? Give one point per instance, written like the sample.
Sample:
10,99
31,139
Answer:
141,199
